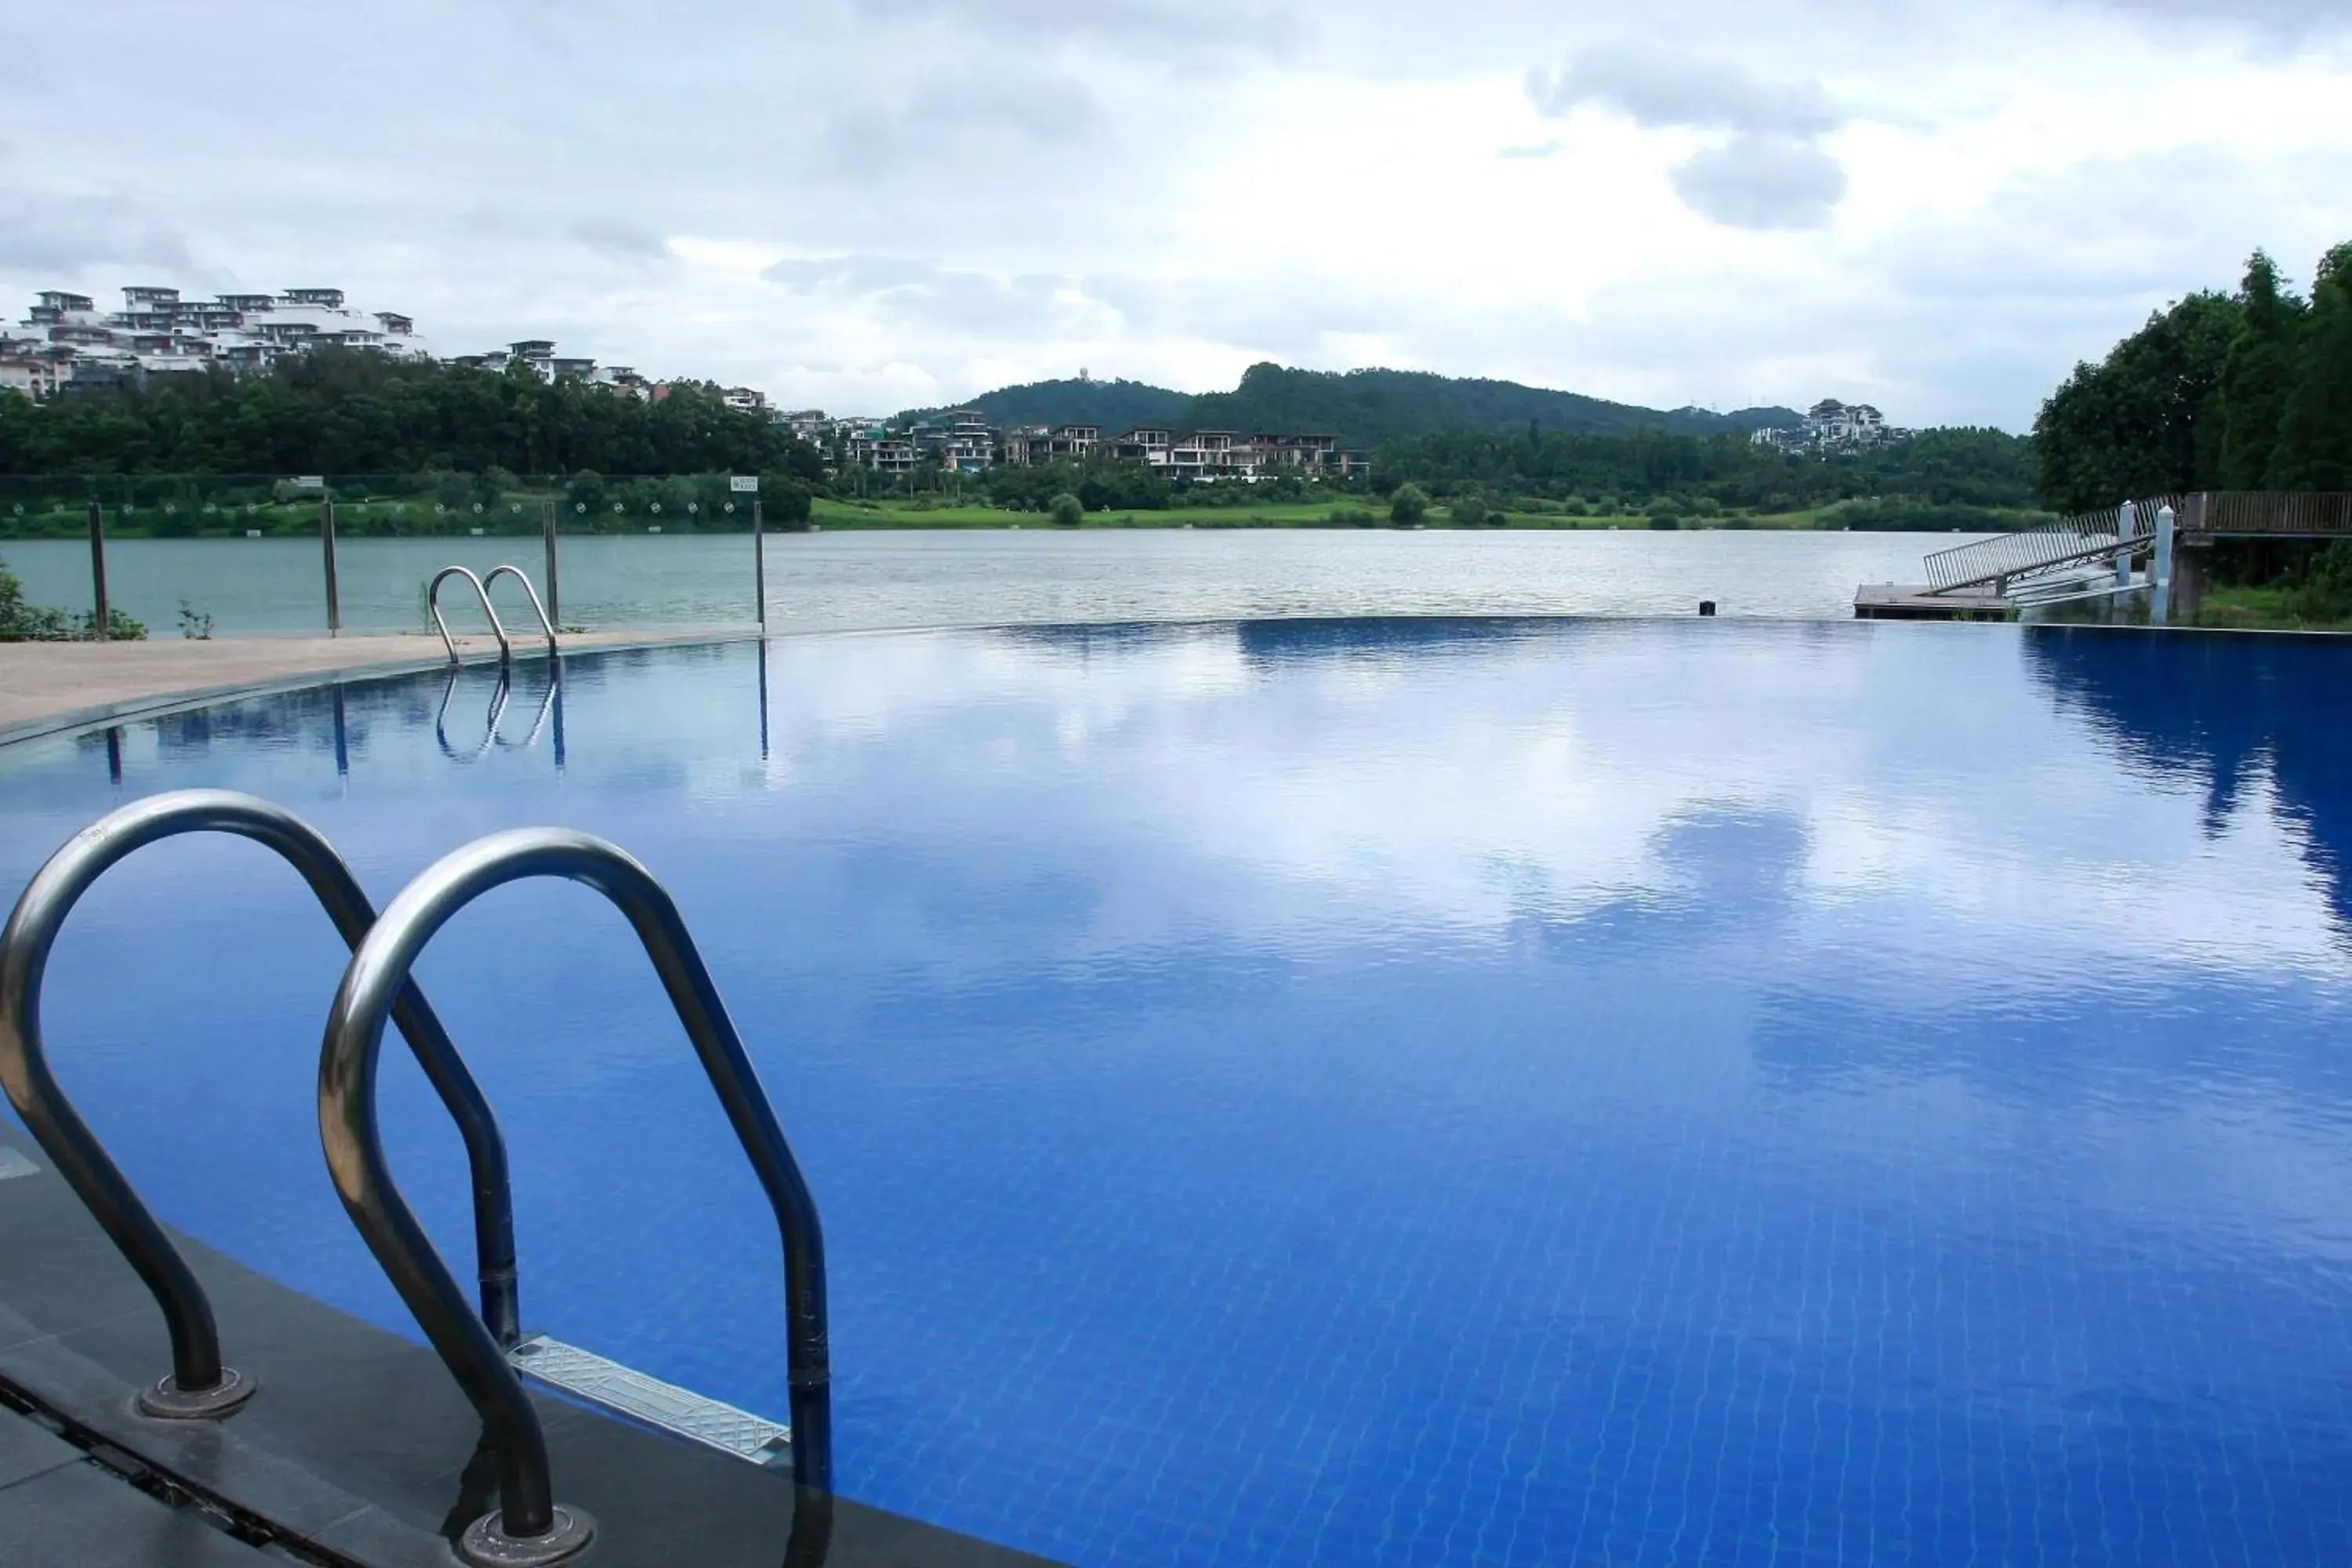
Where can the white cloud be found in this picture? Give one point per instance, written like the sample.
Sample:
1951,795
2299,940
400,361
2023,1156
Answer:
620,238
1763,182
1770,173
1937,210
1656,87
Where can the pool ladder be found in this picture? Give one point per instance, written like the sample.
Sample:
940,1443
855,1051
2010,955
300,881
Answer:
482,592
484,1348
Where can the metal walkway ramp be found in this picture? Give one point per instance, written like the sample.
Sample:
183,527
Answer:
2072,543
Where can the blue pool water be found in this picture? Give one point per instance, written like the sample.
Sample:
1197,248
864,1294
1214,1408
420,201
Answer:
1361,1092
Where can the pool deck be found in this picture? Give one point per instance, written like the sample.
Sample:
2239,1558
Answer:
357,1449
49,687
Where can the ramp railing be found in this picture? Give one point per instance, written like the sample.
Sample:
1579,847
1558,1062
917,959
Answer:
2080,541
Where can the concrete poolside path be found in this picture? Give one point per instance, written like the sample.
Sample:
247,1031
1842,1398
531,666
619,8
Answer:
46,687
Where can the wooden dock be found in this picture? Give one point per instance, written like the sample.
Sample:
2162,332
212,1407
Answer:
1916,602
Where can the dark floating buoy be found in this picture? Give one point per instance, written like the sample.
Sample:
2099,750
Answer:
1706,606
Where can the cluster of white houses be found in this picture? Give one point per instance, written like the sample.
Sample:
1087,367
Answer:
66,342
1831,426
65,339
962,441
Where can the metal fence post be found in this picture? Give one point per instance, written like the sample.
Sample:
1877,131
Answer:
101,626
555,593
2159,570
326,542
760,561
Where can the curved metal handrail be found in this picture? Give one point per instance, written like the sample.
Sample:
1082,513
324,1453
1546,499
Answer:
347,1126
546,626
198,1383
432,602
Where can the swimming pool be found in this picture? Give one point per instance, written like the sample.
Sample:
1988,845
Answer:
1358,1091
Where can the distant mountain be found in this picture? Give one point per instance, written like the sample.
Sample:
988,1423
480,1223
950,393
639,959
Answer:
1123,403
1362,408
1366,408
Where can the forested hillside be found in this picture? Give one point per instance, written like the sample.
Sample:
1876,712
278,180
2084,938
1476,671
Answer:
1364,408
1368,408
1937,468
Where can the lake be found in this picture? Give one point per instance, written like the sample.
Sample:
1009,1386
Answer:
821,582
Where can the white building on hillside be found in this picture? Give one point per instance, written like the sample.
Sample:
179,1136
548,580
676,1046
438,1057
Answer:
1831,426
65,339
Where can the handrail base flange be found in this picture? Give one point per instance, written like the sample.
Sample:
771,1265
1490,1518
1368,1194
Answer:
486,1543
165,1400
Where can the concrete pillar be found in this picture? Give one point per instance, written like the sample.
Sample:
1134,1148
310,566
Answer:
2127,524
2193,569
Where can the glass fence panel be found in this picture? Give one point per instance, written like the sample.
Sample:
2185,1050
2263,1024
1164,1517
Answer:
297,555
45,550
655,551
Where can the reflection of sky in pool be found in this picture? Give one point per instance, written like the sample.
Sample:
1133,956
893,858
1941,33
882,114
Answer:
1365,1093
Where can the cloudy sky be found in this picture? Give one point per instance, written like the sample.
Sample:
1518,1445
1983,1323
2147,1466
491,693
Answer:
871,204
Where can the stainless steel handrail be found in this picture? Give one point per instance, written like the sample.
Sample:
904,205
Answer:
198,1385
546,626
432,602
378,969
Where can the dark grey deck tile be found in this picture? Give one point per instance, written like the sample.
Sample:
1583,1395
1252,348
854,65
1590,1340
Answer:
80,1517
27,1450
357,1439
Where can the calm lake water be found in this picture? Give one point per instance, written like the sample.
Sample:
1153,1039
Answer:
845,581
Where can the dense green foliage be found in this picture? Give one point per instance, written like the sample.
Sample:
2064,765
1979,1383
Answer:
21,622
2314,444
341,412
2147,419
2250,390
1967,468
2255,375
1408,505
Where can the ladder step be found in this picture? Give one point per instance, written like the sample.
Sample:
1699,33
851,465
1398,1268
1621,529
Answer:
665,1406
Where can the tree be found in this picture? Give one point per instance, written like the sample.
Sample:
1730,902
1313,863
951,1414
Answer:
2314,446
1066,510
342,411
2147,418
1408,506
2256,374
785,502
1468,508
